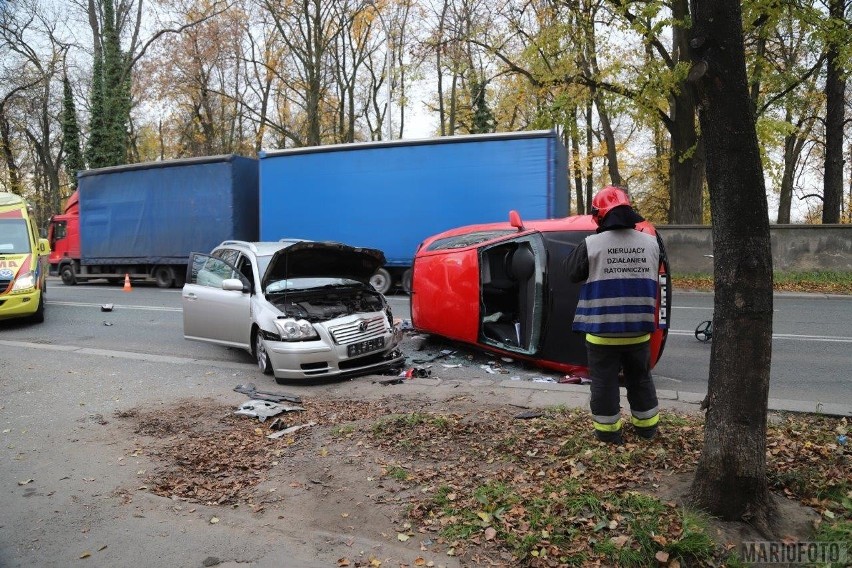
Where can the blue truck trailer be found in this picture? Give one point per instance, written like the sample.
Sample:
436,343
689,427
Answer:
143,220
393,195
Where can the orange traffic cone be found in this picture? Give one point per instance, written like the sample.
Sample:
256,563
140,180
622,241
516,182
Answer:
127,287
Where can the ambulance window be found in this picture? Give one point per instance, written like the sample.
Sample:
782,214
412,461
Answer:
13,236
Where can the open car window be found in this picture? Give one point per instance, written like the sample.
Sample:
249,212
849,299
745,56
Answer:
211,272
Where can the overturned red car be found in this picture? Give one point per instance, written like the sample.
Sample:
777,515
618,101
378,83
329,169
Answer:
504,287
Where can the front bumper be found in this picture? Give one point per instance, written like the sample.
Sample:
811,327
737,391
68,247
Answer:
19,305
325,358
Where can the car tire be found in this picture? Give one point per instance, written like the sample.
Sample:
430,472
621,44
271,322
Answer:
38,316
381,281
164,276
260,354
68,276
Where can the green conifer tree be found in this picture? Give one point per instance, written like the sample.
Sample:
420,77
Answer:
108,139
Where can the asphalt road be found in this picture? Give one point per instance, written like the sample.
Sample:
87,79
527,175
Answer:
810,359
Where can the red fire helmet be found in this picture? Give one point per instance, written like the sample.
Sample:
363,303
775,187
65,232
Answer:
606,200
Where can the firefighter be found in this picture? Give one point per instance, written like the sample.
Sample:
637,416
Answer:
619,268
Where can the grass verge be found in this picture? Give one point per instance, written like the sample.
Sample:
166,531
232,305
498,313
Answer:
809,282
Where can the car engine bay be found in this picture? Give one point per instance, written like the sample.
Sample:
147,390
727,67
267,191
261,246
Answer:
325,304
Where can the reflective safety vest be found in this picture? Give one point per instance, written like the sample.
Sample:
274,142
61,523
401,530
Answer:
619,298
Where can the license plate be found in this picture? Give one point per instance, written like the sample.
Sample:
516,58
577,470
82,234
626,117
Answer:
365,346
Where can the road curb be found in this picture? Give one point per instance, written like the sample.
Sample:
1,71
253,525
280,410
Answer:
693,398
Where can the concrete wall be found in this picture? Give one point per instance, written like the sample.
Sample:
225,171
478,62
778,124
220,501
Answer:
795,248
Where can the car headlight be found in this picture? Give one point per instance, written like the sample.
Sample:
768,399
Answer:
295,330
24,283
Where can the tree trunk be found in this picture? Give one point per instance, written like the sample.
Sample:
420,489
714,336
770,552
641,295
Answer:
730,480
578,165
835,89
6,151
590,179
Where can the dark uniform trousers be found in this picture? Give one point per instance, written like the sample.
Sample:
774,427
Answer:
606,363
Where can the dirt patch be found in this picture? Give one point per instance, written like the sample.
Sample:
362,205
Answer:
485,483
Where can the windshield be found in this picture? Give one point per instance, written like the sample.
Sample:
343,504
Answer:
14,238
469,239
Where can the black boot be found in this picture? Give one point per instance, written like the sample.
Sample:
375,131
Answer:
610,437
648,433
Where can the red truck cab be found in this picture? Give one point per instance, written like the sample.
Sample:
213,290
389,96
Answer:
64,236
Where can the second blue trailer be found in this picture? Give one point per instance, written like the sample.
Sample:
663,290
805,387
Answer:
393,195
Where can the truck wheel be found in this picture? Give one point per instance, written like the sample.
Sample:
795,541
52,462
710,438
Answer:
165,276
68,276
263,362
381,281
406,281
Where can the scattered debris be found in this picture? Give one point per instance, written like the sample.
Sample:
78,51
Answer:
263,409
529,414
290,430
543,380
441,355
386,382
416,373
575,380
451,366
106,308
106,323
251,390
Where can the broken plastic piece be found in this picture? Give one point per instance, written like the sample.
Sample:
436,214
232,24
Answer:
290,430
106,308
252,391
263,409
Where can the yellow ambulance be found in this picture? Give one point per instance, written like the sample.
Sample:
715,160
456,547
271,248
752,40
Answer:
23,261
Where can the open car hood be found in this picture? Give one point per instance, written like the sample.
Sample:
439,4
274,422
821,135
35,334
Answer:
313,259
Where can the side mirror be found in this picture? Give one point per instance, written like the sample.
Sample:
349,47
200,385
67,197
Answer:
234,284
515,220
43,246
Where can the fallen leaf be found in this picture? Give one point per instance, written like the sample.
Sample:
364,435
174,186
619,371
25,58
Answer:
490,533
214,520
25,481
343,562
102,548
85,554
619,541
662,557
402,537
